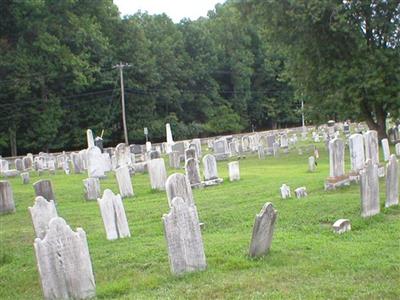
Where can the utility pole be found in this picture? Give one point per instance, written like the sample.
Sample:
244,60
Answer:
120,66
302,114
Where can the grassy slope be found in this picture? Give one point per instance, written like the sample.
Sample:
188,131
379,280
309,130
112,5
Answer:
306,260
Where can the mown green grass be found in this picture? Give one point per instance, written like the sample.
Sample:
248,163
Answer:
306,261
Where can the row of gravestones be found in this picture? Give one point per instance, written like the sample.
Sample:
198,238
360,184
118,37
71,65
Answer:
63,256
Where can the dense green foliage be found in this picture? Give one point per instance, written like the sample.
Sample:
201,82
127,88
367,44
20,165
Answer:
249,63
306,261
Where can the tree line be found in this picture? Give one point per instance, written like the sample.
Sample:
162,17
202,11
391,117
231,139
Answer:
249,64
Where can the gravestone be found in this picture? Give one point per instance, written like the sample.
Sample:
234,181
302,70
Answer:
386,149
4,165
64,263
107,164
341,226
76,162
25,177
221,151
89,137
210,171
263,231
174,160
19,165
92,189
83,156
170,140
275,149
124,181
311,164
157,173
336,158
369,186
197,144
95,162
7,204
193,172
98,142
392,182
234,171
154,154
300,192
285,191
371,146
177,185
183,237
357,157
41,213
28,162
44,188
123,155
190,153
261,152
113,214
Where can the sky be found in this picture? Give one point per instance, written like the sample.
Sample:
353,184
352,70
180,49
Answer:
175,9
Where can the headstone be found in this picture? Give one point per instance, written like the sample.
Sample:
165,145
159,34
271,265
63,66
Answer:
64,263
170,140
392,182
148,146
180,147
7,204
83,156
397,148
341,226
25,177
190,153
92,188
124,181
95,161
89,137
174,159
183,236
371,146
263,231
44,188
193,172
234,171
221,151
197,144
157,173
154,154
28,162
4,165
42,212
311,164
300,192
98,142
369,186
357,157
275,149
210,170
336,158
285,191
77,162
177,185
123,155
386,149
113,214
19,165
10,173
261,152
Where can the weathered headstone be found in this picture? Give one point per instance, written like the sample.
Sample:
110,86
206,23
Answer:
7,204
42,212
92,188
123,155
263,231
300,192
89,137
19,165
44,188
64,263
397,148
311,164
157,173
371,146
113,214
275,149
183,236
124,181
190,153
336,158
357,157
28,162
25,177
221,150
77,162
197,144
369,186
386,149
193,172
341,226
174,159
210,170
177,185
234,171
285,191
154,154
261,152
95,162
392,182
170,140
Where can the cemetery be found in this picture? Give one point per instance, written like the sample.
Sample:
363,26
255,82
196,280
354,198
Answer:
214,149
220,224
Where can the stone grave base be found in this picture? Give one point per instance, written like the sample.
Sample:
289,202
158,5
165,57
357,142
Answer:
213,182
381,171
332,183
197,185
354,177
221,156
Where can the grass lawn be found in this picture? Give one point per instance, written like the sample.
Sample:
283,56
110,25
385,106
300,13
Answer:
306,261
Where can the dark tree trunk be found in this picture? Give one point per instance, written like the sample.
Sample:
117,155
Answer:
13,142
379,124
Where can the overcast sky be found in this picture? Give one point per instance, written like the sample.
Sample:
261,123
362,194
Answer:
175,9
